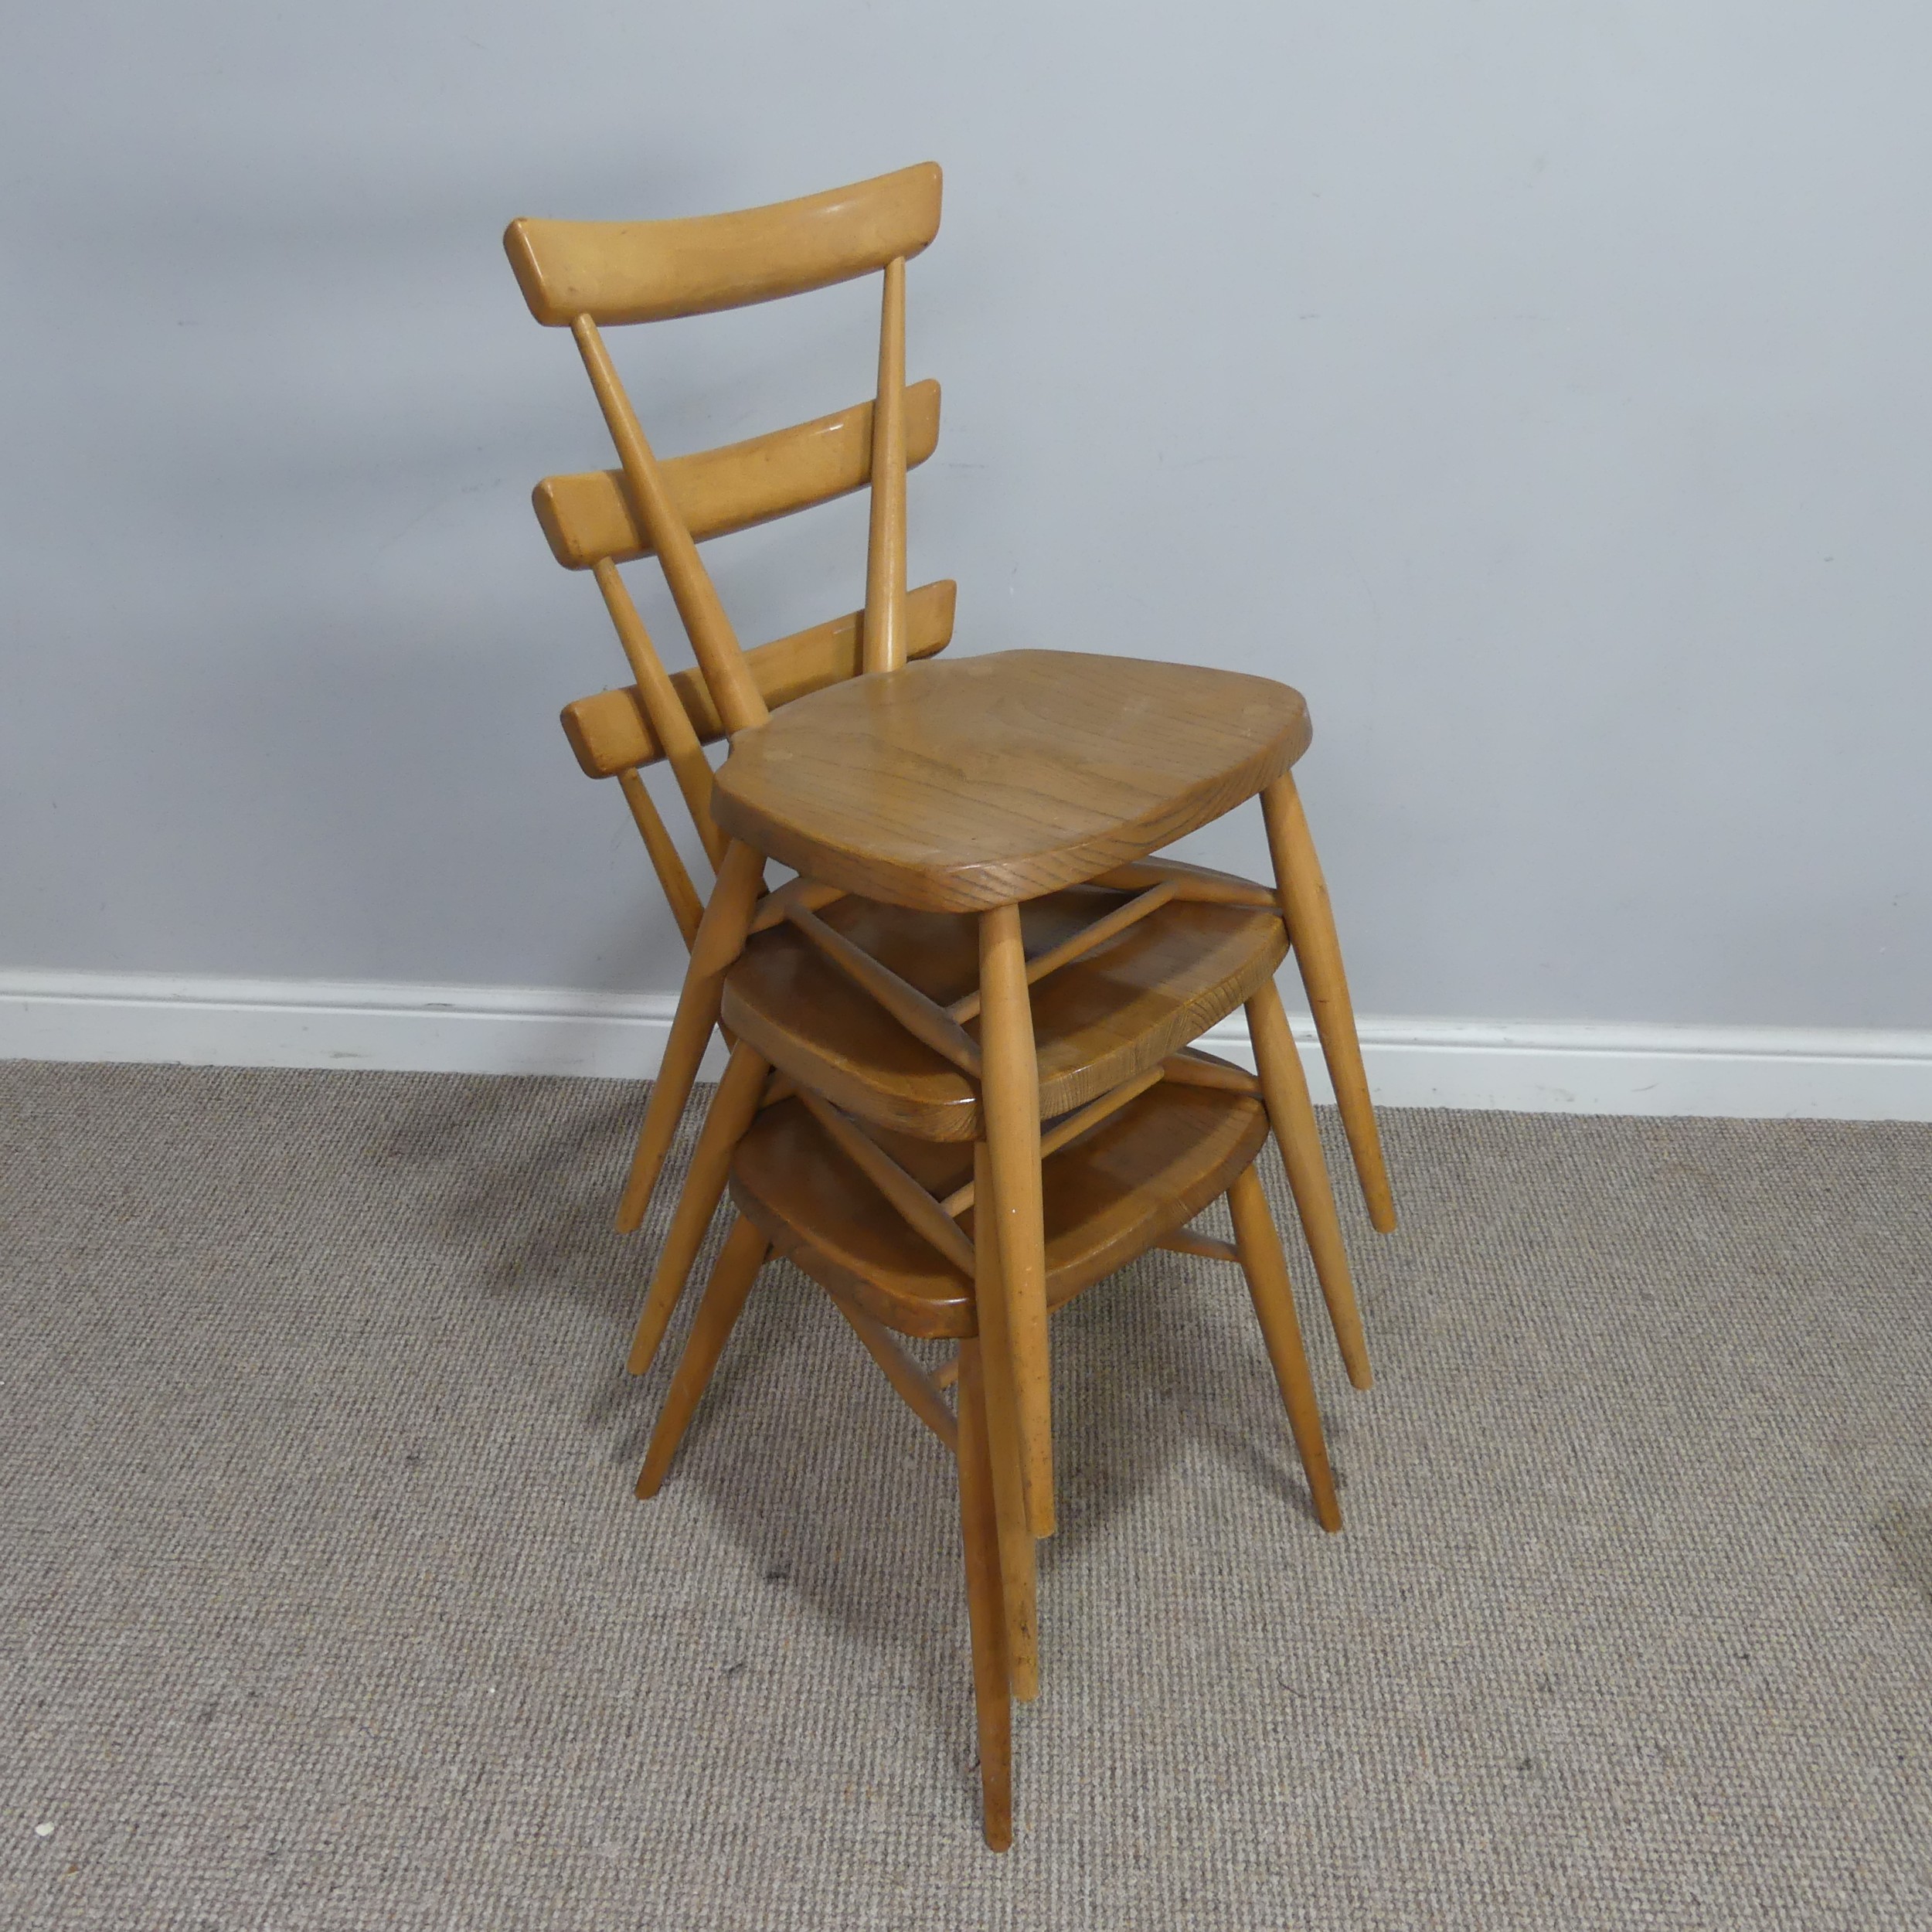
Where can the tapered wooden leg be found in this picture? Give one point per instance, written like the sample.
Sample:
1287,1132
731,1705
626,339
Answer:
733,1107
721,937
1267,1274
742,1256
1018,1568
1317,952
1284,1087
980,1533
1009,1101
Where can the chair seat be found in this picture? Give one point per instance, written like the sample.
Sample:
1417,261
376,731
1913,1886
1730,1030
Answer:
1108,1196
1098,1022
957,786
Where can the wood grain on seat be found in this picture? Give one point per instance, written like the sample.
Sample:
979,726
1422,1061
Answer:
1107,1197
960,787
1097,1022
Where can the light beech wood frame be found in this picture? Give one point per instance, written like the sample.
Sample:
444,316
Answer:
923,792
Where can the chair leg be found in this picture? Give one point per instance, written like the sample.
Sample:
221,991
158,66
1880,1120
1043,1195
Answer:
1009,1103
1019,1568
980,1533
1267,1273
733,1108
1284,1088
721,937
1317,952
742,1256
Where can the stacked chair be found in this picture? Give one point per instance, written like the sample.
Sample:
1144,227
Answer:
962,1084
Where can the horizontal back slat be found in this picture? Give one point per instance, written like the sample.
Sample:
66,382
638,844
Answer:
609,732
644,271
587,516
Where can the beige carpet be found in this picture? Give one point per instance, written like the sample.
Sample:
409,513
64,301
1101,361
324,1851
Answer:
324,1602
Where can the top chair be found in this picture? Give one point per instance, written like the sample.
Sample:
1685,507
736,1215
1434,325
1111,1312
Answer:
962,790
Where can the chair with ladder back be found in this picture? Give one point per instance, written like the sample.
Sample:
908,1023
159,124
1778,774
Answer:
962,833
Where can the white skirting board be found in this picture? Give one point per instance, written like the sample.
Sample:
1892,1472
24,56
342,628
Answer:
1750,1072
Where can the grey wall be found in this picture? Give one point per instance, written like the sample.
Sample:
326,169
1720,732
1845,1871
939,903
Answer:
1544,388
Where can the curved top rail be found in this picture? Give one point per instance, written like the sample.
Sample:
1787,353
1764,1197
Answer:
645,271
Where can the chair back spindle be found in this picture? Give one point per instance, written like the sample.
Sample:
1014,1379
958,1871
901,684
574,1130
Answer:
670,722
885,641
713,640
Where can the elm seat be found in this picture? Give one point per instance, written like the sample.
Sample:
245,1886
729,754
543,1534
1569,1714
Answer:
1107,1197
962,786
1122,1008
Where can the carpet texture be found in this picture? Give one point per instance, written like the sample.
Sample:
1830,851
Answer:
325,1603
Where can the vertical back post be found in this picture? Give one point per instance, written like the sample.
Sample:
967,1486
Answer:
661,705
885,632
733,690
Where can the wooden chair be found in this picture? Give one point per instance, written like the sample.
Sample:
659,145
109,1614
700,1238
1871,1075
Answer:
963,793
887,1224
